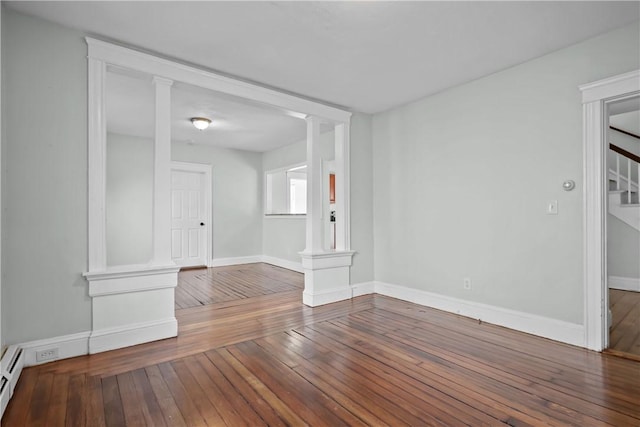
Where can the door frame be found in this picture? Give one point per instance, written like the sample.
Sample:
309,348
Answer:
208,202
595,99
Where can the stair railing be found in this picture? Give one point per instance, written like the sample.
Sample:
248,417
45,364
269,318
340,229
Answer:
630,162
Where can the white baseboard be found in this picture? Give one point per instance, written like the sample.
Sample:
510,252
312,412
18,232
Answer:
67,345
558,330
326,297
284,263
624,283
223,262
364,288
132,334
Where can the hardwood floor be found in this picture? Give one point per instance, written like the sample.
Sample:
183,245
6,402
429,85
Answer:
374,360
624,335
212,285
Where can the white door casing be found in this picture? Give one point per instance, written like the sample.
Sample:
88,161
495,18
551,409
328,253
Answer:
190,214
595,97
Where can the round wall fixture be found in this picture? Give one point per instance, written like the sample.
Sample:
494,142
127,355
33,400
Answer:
568,185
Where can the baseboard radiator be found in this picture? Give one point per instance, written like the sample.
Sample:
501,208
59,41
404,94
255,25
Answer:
12,364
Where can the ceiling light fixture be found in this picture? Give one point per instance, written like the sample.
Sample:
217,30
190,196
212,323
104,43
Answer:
200,123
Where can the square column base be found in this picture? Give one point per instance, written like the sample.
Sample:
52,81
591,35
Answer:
326,277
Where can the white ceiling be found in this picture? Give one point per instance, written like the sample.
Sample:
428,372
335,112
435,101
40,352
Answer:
236,123
362,56
365,56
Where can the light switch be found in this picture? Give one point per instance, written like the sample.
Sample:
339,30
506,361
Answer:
552,207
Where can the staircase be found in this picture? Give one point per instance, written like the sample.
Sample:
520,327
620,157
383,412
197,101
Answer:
624,172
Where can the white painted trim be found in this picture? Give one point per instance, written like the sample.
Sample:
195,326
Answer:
285,216
206,169
594,98
326,296
284,263
610,87
558,330
133,283
97,159
68,346
125,271
363,288
132,334
12,364
624,283
133,59
161,218
324,260
222,262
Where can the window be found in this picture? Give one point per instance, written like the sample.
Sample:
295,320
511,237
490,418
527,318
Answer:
286,191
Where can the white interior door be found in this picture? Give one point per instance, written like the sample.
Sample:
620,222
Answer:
189,222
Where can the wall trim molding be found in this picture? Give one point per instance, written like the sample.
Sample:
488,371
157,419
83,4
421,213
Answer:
71,345
284,263
326,296
558,330
121,281
363,288
132,334
129,58
624,283
223,262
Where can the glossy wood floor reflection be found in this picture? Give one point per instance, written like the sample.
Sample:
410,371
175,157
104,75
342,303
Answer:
269,360
204,286
624,335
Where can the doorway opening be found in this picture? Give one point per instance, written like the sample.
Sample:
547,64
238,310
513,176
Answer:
623,225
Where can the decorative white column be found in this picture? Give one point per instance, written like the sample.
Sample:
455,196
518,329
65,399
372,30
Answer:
326,272
315,225
162,174
97,171
342,186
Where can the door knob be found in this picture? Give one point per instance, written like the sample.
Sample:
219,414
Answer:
202,224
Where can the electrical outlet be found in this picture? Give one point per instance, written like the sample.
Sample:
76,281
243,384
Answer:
467,283
48,354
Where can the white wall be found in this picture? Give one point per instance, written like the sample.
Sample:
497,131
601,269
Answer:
44,184
237,197
285,237
129,200
461,180
623,249
362,192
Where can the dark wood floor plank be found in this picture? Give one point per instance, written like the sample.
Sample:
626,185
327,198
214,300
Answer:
113,411
257,356
94,406
502,369
150,406
313,406
40,400
58,405
170,410
517,367
77,401
18,410
234,408
132,403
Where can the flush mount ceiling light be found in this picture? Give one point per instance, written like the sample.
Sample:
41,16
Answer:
200,123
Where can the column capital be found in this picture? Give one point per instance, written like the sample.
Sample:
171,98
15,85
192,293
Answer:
157,80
